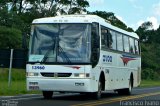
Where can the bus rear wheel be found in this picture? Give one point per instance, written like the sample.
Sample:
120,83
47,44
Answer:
47,94
126,91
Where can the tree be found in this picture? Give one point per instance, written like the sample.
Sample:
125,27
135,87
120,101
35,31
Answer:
48,7
150,50
145,32
10,37
11,19
11,27
157,36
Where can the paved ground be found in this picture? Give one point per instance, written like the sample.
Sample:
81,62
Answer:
140,97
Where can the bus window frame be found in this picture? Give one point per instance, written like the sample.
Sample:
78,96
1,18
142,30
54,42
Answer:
95,48
115,50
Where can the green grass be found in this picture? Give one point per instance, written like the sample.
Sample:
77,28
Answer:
17,87
150,83
17,74
18,82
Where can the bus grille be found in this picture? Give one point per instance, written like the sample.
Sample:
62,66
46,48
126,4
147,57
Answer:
56,74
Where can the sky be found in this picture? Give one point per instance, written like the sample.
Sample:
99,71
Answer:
131,12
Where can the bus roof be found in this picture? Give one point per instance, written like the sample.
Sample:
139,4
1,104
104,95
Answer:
82,19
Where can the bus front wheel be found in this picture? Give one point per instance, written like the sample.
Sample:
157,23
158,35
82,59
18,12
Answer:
47,94
97,95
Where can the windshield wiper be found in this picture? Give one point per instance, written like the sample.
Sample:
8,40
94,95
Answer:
64,54
46,55
48,51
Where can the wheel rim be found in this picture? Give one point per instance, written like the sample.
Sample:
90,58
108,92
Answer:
130,87
99,90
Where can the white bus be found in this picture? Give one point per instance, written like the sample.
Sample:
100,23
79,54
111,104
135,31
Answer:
82,53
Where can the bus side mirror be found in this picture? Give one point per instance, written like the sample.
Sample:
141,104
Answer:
95,38
96,42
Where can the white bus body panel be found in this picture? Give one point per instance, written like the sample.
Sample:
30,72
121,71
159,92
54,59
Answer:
62,83
117,73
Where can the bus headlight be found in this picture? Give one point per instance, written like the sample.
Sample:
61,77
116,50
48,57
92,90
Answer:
32,74
82,75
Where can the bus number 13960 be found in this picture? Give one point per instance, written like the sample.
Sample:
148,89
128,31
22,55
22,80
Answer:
38,67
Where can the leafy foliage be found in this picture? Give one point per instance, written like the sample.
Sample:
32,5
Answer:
149,74
150,47
10,37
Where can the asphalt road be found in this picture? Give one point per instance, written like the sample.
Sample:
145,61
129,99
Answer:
140,97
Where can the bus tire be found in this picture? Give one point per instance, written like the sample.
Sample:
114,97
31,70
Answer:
47,94
126,91
98,94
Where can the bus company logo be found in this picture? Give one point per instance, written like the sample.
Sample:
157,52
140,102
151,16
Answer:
107,58
74,67
127,58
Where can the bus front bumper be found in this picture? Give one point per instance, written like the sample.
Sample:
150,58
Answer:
65,85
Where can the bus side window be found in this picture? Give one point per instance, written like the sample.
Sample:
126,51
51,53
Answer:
113,40
126,44
104,38
110,40
136,47
119,42
132,47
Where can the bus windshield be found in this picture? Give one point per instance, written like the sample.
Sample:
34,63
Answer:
62,43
